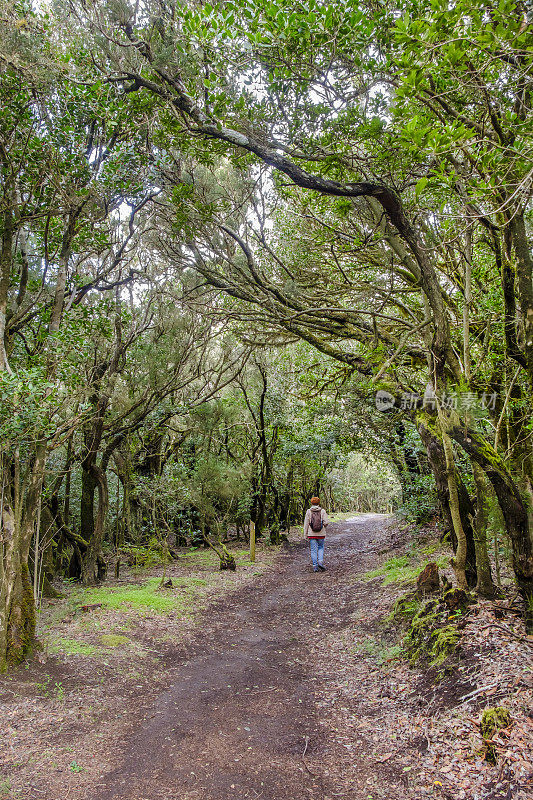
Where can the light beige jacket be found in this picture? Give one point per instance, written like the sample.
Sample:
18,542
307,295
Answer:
308,531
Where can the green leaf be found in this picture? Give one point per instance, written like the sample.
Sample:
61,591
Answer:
420,186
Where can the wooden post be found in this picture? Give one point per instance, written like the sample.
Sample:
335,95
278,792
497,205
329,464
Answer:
252,541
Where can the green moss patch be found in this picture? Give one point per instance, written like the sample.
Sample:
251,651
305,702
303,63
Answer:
404,608
432,636
432,630
493,720
72,647
444,642
114,640
138,597
145,556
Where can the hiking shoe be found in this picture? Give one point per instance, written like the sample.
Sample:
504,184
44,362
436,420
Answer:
321,567
315,569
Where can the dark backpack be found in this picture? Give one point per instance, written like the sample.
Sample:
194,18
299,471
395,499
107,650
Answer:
316,520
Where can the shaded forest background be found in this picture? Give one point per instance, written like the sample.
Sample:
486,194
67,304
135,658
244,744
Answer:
254,252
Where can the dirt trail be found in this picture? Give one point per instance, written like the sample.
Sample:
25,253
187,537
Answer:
240,710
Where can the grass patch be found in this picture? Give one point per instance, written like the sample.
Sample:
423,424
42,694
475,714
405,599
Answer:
114,640
137,597
429,550
379,651
241,555
404,569
399,569
72,647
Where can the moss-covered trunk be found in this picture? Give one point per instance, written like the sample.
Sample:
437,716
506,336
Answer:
459,562
88,490
93,568
437,460
484,586
17,604
513,507
20,614
46,569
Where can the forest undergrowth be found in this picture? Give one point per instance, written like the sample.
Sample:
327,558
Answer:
104,652
425,717
386,724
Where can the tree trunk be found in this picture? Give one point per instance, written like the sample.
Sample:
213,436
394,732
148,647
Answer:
17,603
524,285
466,304
88,490
44,570
484,587
94,568
514,510
437,460
68,466
129,529
19,636
6,261
459,562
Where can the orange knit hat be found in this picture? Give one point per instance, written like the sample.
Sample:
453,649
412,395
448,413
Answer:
315,501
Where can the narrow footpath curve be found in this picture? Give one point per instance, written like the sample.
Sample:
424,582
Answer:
240,712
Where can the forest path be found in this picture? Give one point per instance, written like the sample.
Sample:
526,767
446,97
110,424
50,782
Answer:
240,711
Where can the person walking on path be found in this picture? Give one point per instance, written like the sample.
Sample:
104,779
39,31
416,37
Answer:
315,524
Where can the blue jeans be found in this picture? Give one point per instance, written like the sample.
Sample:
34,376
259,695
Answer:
317,551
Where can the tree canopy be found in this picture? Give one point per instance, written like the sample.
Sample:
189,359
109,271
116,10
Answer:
241,242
